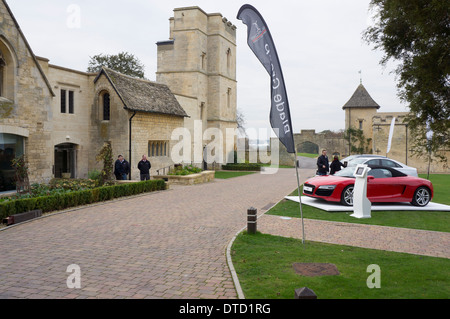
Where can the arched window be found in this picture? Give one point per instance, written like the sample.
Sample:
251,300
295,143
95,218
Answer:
106,106
229,97
229,59
203,60
7,70
2,72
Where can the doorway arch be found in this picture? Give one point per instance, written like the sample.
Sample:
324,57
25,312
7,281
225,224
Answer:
65,160
308,147
11,146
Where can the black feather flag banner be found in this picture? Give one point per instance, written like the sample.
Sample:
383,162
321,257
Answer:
260,41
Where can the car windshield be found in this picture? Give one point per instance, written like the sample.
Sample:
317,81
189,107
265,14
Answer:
356,161
346,172
349,158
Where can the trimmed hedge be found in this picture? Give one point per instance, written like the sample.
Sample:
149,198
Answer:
78,198
242,167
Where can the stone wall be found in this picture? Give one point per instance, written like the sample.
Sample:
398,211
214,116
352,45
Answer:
143,131
334,143
25,106
72,128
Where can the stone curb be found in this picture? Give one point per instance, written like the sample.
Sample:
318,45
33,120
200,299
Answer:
234,276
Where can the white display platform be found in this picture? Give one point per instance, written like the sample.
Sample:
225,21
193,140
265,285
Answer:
338,207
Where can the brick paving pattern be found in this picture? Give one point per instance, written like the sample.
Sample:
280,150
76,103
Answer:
169,244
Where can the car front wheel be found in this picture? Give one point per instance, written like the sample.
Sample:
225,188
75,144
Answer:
347,196
422,197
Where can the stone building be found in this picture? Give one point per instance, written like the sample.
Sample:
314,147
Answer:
198,63
362,113
60,118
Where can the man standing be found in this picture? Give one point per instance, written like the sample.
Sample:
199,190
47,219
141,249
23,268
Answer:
121,168
322,164
144,167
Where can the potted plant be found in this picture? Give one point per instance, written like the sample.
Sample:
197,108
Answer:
66,175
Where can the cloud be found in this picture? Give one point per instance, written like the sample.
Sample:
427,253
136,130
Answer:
319,44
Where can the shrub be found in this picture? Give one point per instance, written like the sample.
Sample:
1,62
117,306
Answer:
67,199
186,170
58,185
242,167
94,175
105,155
7,208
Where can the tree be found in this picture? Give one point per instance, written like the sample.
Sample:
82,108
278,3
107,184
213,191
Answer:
359,144
240,119
21,169
106,156
123,62
416,33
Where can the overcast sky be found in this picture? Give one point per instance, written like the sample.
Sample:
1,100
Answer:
319,44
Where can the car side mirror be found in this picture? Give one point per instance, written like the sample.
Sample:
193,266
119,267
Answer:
370,177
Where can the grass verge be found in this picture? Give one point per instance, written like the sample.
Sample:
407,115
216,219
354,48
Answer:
308,155
264,267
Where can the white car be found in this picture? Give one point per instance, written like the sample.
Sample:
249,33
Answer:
352,157
375,160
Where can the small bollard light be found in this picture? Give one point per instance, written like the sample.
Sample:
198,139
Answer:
305,293
251,220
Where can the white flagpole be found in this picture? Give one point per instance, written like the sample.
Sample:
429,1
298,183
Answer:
391,134
299,197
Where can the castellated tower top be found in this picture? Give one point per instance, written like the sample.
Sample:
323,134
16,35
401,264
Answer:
198,64
195,18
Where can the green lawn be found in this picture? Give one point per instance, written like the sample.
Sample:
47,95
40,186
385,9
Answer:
426,220
308,155
441,184
230,174
264,267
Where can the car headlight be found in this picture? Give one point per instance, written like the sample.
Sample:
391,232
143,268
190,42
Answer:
327,187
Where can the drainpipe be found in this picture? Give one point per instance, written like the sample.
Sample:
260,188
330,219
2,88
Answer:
129,151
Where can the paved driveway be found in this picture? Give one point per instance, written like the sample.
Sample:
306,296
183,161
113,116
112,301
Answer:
169,244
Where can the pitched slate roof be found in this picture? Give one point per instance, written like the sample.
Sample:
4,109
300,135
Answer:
143,95
361,99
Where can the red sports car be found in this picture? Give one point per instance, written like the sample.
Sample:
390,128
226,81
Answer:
384,185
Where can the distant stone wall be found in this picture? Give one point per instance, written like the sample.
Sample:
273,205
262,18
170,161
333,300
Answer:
334,143
401,143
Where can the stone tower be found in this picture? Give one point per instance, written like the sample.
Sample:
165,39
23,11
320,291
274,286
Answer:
359,111
198,63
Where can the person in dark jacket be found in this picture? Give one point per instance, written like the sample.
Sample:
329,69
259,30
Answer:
335,165
144,167
322,164
121,168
